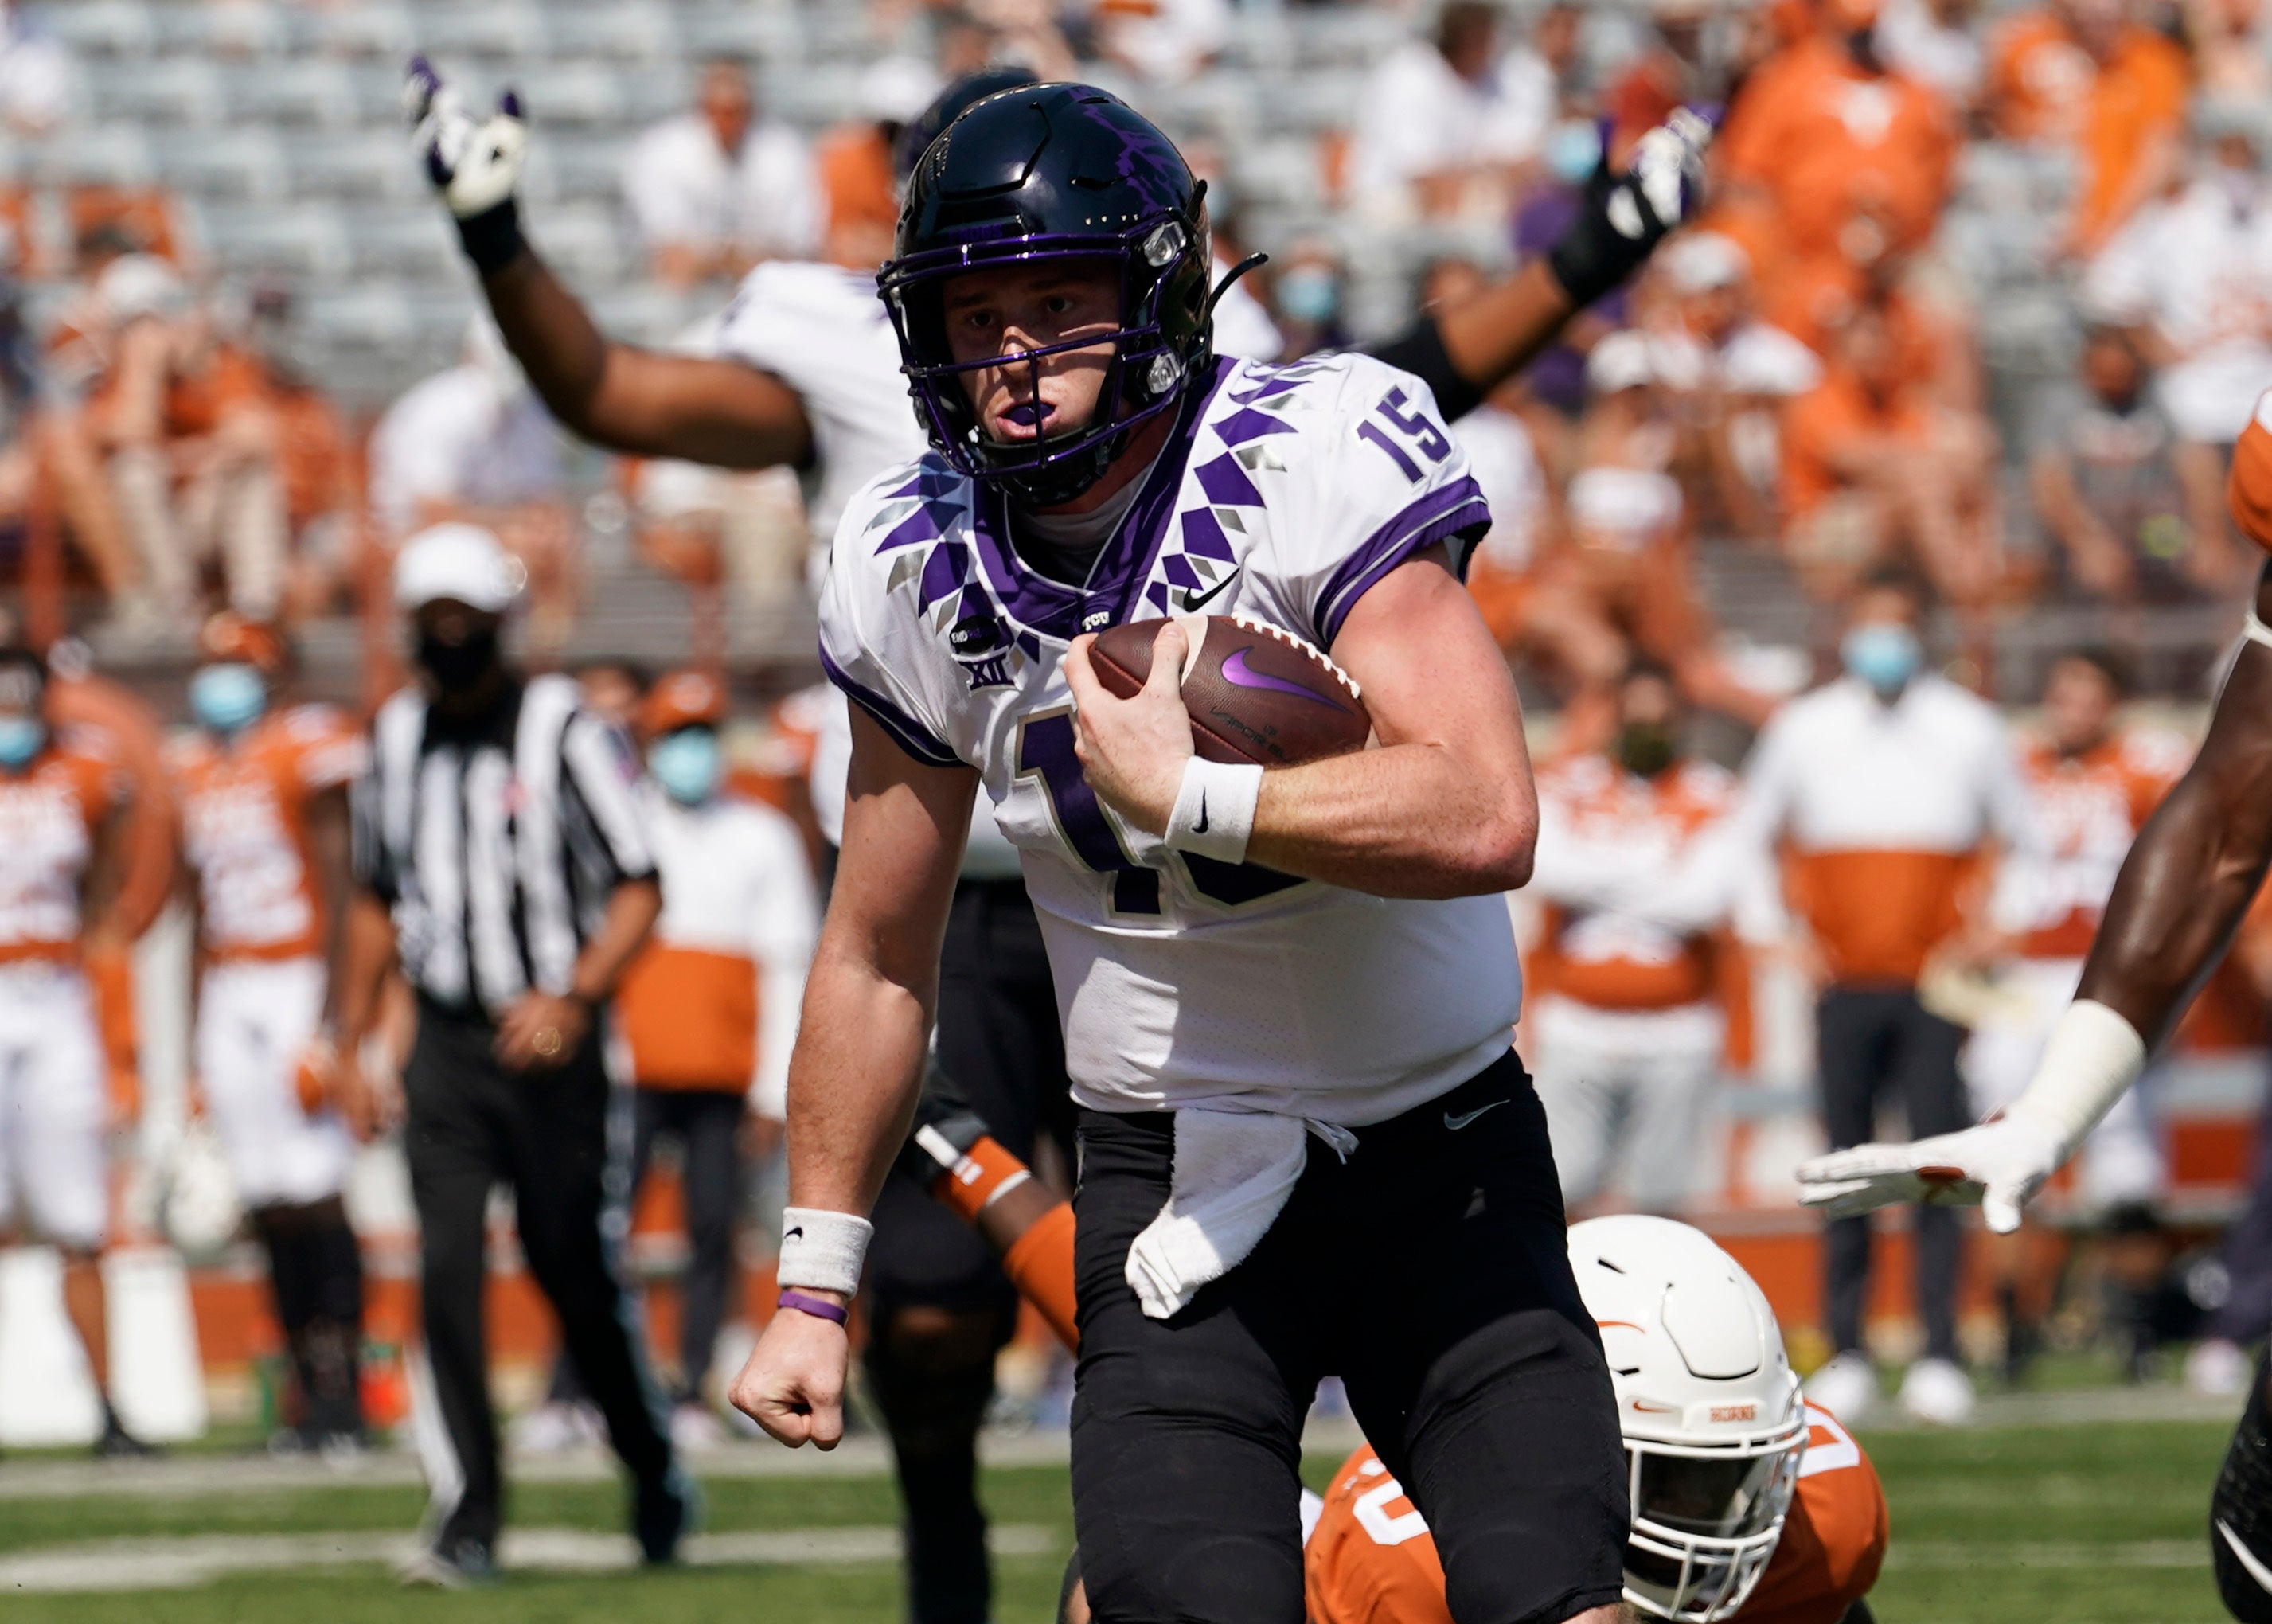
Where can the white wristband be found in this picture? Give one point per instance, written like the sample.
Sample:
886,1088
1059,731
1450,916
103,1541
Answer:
2093,1055
822,1249
1214,815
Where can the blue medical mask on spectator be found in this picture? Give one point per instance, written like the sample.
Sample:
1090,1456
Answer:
688,765
1573,151
1885,656
20,738
1309,293
227,697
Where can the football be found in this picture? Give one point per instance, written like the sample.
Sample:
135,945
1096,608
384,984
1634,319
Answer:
1255,694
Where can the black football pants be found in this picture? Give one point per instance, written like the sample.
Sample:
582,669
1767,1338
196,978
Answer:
1872,1041
473,1126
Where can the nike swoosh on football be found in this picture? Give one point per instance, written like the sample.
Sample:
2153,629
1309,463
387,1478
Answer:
1194,600
1456,1123
1237,672
2248,1558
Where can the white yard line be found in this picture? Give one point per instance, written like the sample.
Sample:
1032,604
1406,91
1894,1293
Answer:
178,1562
1921,1554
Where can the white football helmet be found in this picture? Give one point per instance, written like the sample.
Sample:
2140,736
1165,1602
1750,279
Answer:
1710,1410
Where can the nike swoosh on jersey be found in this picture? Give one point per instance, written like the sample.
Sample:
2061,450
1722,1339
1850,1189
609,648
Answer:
1237,672
1194,600
2248,1558
1456,1123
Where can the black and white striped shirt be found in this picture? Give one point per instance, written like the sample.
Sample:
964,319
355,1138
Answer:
495,845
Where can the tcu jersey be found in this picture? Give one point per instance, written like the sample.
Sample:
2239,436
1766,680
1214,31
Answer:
2091,807
244,827
1284,493
1371,1561
48,818
822,331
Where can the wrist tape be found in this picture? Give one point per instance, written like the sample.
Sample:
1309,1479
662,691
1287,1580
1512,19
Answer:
1214,815
492,238
822,1249
2093,1055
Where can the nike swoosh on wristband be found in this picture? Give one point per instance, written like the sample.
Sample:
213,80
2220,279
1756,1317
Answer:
1237,672
1194,600
1456,1123
2257,1570
794,1233
1201,827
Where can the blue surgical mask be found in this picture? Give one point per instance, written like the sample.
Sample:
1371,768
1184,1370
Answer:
227,697
1573,151
1884,656
1309,293
20,738
688,765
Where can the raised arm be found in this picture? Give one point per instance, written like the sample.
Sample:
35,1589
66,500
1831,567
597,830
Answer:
641,402
858,1062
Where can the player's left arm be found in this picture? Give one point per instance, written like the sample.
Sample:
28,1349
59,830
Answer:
1443,807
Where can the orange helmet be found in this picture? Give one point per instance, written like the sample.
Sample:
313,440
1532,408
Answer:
682,699
229,636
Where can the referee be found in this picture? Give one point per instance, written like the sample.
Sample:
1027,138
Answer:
499,856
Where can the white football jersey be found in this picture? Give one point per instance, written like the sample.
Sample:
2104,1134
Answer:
822,331
1286,492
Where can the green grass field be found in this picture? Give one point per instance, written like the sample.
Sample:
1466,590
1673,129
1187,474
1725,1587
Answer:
2078,1524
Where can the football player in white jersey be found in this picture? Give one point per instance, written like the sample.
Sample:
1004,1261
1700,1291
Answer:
1325,955
806,371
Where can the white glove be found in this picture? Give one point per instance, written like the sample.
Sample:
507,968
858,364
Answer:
475,164
1998,1167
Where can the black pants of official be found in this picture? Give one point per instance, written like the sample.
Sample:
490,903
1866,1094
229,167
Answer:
1876,1043
1431,1270
472,1125
707,1124
999,1040
2245,1314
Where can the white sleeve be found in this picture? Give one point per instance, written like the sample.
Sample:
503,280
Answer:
862,656
785,921
1387,481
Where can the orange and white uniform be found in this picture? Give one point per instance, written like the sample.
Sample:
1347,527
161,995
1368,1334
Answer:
712,1002
263,930
1621,1027
1370,1558
2248,488
53,1097
2090,807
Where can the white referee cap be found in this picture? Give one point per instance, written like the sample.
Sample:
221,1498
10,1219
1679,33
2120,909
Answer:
462,562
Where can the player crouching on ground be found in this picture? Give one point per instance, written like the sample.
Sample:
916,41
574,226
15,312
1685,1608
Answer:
1323,951
263,793
61,799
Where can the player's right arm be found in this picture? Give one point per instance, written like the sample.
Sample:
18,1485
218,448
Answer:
641,401
869,1001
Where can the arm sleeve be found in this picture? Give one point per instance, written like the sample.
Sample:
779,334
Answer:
598,762
1419,350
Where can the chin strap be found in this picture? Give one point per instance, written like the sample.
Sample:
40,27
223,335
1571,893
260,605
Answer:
1250,263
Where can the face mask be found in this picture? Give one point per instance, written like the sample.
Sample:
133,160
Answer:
1884,656
20,738
1573,151
457,666
1646,748
227,697
1309,293
688,765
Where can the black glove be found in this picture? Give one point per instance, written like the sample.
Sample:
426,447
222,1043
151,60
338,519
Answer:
1623,217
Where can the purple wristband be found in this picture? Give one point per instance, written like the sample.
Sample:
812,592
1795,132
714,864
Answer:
819,1308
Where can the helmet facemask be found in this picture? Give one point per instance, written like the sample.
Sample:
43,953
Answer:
1705,1519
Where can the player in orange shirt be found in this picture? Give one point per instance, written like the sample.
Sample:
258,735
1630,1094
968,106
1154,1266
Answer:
262,790
62,797
1753,1505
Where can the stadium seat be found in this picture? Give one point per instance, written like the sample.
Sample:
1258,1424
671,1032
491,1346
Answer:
380,29
574,93
768,33
411,239
304,240
368,164
312,93
565,168
587,243
631,32
645,313
175,91
114,154
511,30
241,165
103,27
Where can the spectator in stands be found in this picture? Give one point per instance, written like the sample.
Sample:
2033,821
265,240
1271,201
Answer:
192,440
35,75
1684,62
1934,43
2191,275
716,189
2090,76
1732,376
1573,151
2232,42
1636,870
473,443
1162,41
316,458
1305,300
1873,466
2103,472
1443,126
860,202
1885,787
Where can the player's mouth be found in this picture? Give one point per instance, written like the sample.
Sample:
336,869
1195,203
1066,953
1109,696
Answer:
1030,414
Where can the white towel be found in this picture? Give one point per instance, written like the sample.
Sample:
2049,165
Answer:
1233,1173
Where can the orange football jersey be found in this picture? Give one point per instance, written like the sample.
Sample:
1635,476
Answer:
49,815
2092,806
244,827
1371,1561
